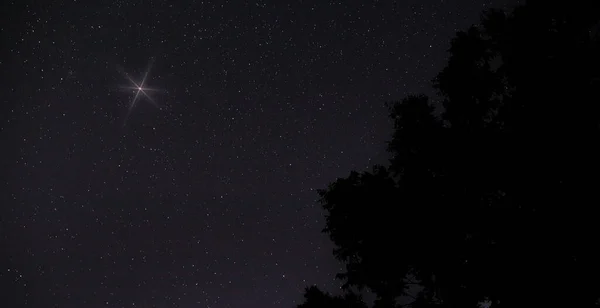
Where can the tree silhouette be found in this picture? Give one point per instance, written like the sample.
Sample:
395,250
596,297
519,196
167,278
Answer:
495,200
315,298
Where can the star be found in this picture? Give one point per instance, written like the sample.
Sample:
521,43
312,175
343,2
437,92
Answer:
139,88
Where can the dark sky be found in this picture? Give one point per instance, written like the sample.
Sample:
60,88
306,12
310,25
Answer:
208,200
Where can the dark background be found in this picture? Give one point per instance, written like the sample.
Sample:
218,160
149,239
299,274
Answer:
208,201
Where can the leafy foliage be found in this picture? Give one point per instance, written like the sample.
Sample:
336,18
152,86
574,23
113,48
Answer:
496,199
315,298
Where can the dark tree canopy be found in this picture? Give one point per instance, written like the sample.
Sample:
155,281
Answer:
497,199
315,298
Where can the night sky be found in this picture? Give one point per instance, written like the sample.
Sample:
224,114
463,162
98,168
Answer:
208,198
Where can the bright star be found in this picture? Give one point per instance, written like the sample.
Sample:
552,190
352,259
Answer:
139,89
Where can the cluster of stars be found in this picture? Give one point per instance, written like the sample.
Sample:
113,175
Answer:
210,201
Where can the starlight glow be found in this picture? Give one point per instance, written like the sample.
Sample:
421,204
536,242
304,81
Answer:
139,88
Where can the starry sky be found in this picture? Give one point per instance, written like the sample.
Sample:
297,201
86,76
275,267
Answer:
201,193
